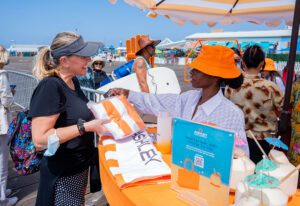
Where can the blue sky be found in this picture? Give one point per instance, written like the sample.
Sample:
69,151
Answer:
38,21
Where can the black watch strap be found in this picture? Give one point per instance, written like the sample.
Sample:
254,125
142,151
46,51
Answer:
80,126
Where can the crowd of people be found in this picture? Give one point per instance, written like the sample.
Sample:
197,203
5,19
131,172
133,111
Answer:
250,101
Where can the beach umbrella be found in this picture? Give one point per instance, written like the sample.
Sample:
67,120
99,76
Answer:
261,181
269,12
276,142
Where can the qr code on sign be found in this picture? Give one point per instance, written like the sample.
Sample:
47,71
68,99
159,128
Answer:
199,161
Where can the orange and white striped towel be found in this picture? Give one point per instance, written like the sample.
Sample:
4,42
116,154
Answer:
135,161
125,121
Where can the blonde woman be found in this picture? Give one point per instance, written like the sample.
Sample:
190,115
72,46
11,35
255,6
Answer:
6,100
59,113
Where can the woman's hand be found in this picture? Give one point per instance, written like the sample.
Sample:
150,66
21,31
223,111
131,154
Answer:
117,92
96,125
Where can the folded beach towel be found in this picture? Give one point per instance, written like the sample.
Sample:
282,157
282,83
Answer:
125,120
135,161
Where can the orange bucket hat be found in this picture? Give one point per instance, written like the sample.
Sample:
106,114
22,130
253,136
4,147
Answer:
270,65
216,61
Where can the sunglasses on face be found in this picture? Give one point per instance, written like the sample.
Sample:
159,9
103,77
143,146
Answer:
98,63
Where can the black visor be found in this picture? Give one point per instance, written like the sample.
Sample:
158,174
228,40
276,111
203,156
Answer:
78,47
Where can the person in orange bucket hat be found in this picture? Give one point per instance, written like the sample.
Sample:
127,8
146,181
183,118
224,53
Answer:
206,104
217,61
270,73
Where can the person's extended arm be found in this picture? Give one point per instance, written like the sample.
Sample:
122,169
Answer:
152,104
43,127
140,69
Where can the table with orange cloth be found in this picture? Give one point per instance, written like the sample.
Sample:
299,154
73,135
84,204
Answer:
148,195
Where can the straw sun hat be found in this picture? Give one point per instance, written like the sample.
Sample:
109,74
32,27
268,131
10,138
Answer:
270,65
216,61
98,59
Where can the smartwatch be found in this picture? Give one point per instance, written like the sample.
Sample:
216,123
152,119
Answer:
80,126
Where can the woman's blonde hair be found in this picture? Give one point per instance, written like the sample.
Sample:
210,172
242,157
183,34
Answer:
3,56
45,65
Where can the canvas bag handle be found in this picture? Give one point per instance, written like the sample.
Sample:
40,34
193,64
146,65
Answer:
185,163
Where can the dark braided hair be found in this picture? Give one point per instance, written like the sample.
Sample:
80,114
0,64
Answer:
253,56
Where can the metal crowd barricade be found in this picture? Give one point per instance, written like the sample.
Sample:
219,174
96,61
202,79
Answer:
26,83
92,94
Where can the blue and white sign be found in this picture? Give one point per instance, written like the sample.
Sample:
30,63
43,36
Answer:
210,148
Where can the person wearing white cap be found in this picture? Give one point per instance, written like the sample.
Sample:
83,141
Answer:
98,64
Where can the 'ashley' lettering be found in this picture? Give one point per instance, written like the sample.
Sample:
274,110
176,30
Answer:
148,155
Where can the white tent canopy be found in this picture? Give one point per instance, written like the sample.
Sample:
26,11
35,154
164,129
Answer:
166,41
172,45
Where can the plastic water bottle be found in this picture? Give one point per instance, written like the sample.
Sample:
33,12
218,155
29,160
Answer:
164,132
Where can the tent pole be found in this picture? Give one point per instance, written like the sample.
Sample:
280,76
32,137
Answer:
286,114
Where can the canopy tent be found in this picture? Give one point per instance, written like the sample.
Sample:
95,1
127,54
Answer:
172,45
269,12
165,41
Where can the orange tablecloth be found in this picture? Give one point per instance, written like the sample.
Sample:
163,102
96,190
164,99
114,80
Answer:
147,195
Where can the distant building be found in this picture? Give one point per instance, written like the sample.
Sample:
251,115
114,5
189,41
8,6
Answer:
121,51
278,39
24,50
